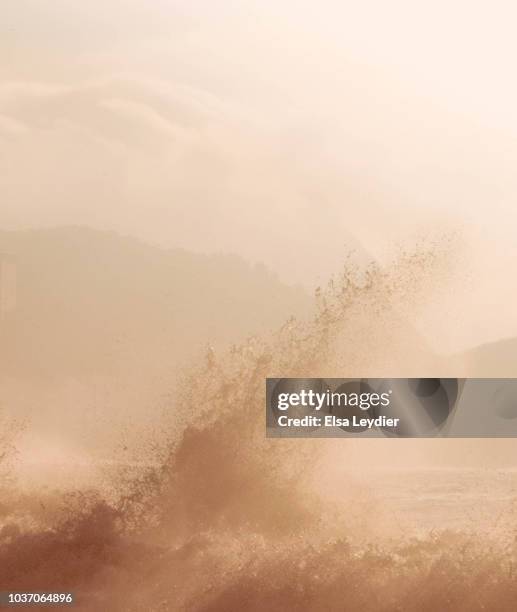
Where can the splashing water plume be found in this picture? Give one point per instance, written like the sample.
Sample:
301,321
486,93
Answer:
230,520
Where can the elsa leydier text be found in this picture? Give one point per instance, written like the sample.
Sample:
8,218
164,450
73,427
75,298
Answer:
334,421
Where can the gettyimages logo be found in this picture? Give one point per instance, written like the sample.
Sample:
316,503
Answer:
318,401
414,407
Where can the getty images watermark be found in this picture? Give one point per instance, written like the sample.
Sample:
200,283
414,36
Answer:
327,402
391,407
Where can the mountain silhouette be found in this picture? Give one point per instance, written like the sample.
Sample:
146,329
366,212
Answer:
89,302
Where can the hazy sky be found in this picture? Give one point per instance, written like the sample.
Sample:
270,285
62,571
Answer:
282,131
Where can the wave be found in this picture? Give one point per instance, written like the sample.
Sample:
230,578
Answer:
225,519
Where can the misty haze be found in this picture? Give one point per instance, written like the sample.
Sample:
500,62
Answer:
197,196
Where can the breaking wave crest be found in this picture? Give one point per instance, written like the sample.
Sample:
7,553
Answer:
225,519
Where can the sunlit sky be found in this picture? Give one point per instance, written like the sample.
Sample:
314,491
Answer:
285,132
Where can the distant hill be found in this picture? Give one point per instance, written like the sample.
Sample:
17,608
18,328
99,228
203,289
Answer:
92,302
